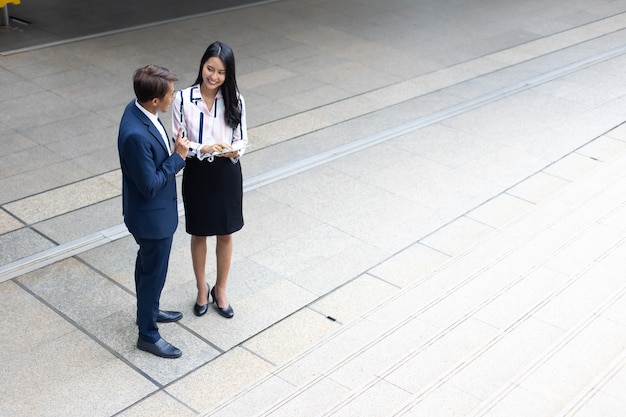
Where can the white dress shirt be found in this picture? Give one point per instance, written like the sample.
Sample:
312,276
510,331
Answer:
157,123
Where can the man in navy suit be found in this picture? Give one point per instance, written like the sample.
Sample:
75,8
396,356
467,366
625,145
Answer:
150,206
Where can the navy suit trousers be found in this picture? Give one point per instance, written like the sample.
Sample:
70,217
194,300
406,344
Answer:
150,272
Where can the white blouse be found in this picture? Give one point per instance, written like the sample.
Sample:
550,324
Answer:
203,125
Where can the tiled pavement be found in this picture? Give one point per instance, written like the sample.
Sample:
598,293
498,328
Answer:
434,218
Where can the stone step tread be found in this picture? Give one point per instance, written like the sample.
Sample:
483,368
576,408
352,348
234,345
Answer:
604,395
463,308
551,378
471,362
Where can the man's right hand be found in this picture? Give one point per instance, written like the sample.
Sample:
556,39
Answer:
181,146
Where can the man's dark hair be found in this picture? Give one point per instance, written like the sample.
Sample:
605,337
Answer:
151,82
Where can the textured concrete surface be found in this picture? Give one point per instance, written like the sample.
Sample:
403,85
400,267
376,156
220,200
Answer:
433,205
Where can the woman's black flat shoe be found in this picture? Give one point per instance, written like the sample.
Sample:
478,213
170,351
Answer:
201,310
225,312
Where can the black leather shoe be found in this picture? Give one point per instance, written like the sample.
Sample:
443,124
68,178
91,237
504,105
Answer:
225,312
169,316
201,310
159,348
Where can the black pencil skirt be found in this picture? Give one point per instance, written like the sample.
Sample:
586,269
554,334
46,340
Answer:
212,196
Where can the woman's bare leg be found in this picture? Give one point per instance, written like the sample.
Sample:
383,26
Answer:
198,258
224,253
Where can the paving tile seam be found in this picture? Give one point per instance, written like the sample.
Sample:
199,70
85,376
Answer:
140,400
13,216
346,327
553,350
63,251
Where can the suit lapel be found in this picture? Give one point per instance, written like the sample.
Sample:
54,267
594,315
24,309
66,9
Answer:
151,127
155,132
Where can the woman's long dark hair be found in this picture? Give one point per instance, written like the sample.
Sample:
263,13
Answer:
229,89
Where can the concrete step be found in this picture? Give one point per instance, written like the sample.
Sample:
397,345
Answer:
603,396
520,324
541,381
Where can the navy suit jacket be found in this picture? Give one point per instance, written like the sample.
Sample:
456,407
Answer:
149,195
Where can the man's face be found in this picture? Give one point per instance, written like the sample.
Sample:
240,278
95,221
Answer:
164,103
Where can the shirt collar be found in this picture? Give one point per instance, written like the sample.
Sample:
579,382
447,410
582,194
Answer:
153,117
195,95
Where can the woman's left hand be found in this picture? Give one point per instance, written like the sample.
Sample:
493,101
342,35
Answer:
226,147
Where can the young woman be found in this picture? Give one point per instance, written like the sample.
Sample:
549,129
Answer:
212,115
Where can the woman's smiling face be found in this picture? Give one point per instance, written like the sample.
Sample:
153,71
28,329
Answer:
213,73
